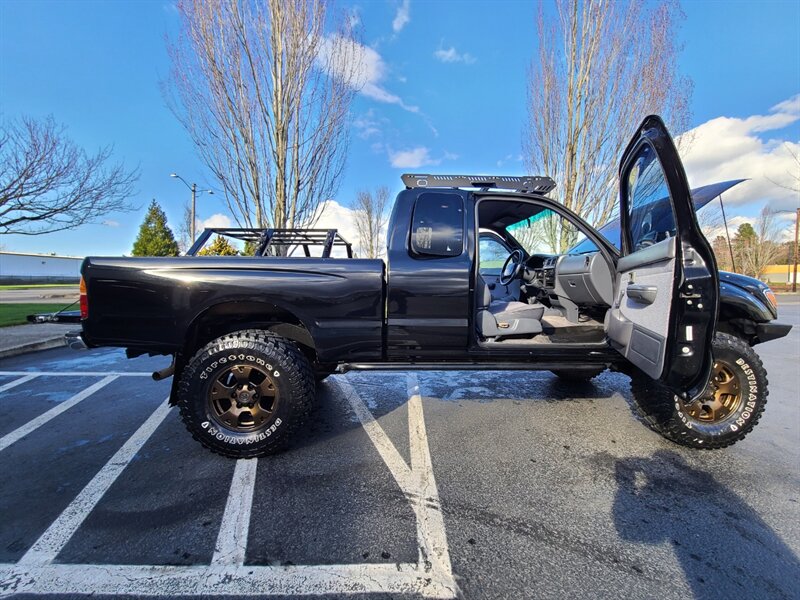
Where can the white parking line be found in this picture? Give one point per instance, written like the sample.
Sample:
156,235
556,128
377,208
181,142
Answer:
430,523
34,424
397,466
291,581
16,382
78,374
417,483
47,547
232,539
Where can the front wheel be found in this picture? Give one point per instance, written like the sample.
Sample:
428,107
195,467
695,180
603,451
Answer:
725,413
243,395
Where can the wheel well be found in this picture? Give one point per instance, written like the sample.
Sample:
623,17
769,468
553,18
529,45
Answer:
737,323
233,316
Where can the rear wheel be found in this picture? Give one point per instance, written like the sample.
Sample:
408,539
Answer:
244,394
578,374
725,413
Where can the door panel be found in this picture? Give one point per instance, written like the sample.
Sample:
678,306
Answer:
641,326
667,294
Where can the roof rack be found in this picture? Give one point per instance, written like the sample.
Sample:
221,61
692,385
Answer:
266,238
528,184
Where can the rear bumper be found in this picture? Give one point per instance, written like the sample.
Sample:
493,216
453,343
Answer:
766,332
75,341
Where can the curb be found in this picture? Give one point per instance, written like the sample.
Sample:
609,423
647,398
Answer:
48,344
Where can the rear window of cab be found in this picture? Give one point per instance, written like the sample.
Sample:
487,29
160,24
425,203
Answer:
437,225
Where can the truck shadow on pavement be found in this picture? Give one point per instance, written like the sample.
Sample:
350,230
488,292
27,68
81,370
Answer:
724,548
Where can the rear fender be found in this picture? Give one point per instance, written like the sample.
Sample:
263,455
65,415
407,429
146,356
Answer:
227,317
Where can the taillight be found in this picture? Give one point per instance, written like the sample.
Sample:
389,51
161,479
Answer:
84,300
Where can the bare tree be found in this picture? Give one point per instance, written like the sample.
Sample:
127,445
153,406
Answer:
793,175
47,183
759,248
600,68
185,229
265,94
370,220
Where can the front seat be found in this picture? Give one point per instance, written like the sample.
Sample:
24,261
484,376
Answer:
503,318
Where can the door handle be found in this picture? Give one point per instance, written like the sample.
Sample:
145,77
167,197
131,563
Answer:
646,294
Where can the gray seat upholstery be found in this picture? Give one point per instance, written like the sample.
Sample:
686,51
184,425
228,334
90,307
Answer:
504,318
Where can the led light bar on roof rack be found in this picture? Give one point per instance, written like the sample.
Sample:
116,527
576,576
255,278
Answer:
528,184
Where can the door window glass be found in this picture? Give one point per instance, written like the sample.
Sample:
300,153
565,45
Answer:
650,216
437,227
492,255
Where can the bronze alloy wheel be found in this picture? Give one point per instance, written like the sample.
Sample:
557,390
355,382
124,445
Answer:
721,398
242,398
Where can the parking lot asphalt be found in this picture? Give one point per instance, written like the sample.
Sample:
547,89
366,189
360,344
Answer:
439,484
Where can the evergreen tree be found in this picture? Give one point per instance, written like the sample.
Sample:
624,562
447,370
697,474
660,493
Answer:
155,238
219,247
745,233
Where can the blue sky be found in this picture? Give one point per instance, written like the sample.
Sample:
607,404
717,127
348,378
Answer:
96,66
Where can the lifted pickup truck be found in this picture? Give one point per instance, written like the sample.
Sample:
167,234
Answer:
472,280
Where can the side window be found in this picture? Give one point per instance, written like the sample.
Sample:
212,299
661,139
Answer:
437,226
491,255
650,216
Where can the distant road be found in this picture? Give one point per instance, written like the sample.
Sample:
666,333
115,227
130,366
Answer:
59,295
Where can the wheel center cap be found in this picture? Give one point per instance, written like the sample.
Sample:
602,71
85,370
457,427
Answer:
245,397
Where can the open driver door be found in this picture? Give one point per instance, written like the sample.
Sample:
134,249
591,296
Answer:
667,290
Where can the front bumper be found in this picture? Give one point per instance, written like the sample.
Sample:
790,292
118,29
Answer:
75,341
766,332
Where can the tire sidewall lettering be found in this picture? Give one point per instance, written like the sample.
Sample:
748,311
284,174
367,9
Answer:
220,435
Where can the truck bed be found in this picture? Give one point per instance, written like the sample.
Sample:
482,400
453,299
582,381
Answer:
149,304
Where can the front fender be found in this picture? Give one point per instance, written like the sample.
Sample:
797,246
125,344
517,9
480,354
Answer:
736,302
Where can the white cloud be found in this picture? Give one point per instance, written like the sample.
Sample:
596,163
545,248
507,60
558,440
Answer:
216,220
451,55
729,148
412,159
110,223
402,17
415,158
361,66
332,215
367,125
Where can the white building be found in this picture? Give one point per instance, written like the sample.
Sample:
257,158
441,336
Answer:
20,267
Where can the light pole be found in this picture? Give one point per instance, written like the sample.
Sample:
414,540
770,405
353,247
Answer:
195,191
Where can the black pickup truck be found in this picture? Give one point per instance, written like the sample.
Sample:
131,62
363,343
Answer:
472,280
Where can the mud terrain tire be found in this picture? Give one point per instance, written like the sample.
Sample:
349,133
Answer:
718,419
244,394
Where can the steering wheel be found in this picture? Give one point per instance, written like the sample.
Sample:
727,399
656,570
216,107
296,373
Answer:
511,267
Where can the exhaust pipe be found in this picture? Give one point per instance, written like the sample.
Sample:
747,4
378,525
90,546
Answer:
164,373
74,340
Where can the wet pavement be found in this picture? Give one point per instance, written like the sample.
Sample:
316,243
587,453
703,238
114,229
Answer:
438,484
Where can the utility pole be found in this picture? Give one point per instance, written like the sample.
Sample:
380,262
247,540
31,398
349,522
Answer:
192,187
796,229
194,200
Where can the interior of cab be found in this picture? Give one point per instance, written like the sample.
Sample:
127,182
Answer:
529,292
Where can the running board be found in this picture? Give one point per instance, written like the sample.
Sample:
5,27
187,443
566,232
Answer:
471,366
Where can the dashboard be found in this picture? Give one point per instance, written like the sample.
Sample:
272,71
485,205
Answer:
583,279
